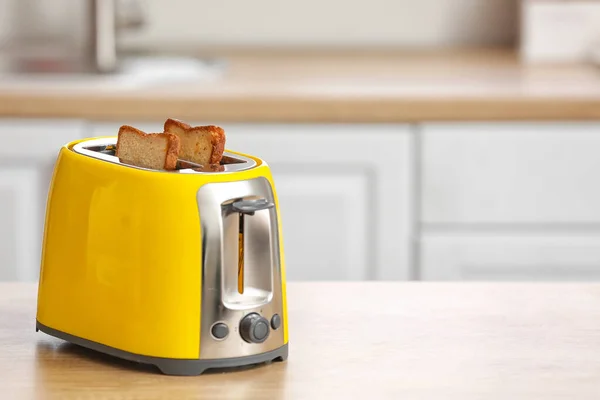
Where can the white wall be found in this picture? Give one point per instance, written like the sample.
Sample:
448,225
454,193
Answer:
330,22
406,23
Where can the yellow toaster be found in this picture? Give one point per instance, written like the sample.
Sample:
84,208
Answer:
179,269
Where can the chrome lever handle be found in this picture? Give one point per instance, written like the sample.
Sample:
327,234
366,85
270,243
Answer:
251,206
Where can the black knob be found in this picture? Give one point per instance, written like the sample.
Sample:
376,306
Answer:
254,328
275,321
220,330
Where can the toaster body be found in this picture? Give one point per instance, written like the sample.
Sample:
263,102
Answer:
180,269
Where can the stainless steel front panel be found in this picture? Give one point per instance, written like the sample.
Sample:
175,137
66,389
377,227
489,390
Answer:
221,300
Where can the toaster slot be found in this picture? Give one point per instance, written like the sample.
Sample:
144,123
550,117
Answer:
240,282
247,252
246,207
105,149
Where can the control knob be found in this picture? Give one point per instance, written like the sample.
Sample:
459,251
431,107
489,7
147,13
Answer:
254,328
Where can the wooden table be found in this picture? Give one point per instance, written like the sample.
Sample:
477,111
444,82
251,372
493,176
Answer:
352,341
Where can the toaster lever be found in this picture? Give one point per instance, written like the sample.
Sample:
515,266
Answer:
251,206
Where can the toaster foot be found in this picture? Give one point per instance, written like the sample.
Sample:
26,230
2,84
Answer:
171,366
198,367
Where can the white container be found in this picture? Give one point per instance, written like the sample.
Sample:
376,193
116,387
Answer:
559,31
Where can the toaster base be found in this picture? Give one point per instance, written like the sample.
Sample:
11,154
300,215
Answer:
171,366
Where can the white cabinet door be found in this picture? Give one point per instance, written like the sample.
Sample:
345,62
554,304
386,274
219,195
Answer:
27,156
510,201
344,190
324,218
510,258
511,173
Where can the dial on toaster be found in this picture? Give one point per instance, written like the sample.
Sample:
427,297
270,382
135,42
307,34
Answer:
254,328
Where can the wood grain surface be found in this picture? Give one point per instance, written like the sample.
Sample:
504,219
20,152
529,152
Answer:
466,85
352,341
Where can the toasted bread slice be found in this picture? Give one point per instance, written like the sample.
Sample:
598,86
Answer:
200,144
147,150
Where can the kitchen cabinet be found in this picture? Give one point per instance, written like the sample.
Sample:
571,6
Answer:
510,201
433,201
509,173
345,194
514,257
27,157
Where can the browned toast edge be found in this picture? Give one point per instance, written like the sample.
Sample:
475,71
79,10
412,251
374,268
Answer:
173,145
172,151
217,137
123,129
218,142
175,122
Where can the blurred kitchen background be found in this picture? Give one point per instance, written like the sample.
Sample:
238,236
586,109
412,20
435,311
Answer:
409,140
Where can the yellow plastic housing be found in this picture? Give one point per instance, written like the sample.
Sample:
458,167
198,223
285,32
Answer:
121,260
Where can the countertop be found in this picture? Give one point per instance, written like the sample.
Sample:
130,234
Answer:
313,87
352,341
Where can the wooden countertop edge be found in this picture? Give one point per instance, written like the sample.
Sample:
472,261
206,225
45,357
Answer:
298,110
